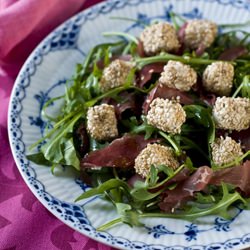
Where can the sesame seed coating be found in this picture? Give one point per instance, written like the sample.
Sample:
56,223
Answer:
218,78
101,122
200,32
232,113
159,37
115,74
178,75
154,154
166,115
225,150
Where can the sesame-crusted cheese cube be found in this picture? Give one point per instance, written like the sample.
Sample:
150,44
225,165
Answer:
166,115
232,113
154,154
115,74
178,75
200,33
159,37
218,78
101,122
225,150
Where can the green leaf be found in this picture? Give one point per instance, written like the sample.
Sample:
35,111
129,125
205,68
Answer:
204,198
166,169
69,154
39,159
244,88
165,57
104,187
221,208
200,114
121,34
137,128
127,214
170,175
59,149
177,20
189,164
171,140
142,194
153,175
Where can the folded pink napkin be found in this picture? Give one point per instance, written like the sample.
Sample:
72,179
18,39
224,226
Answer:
24,222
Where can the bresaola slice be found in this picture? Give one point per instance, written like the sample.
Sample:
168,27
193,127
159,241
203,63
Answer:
165,92
238,176
130,101
243,137
233,53
146,73
81,140
120,153
176,198
140,49
181,33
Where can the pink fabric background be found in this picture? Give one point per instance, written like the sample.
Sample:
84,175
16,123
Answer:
24,222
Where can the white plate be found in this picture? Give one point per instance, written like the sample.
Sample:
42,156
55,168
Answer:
43,76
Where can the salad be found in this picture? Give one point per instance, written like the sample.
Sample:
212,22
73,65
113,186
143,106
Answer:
159,124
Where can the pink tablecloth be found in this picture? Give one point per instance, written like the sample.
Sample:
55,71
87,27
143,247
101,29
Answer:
24,222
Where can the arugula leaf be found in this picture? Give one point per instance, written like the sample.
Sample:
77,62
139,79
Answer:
170,175
69,154
106,186
121,34
177,20
153,177
59,149
244,88
221,208
173,142
204,198
127,214
142,194
165,57
137,128
202,116
39,159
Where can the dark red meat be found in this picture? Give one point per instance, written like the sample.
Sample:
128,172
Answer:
243,136
172,199
129,101
146,73
238,176
140,49
120,153
165,92
233,53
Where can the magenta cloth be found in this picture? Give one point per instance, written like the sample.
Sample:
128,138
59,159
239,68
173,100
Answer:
24,222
